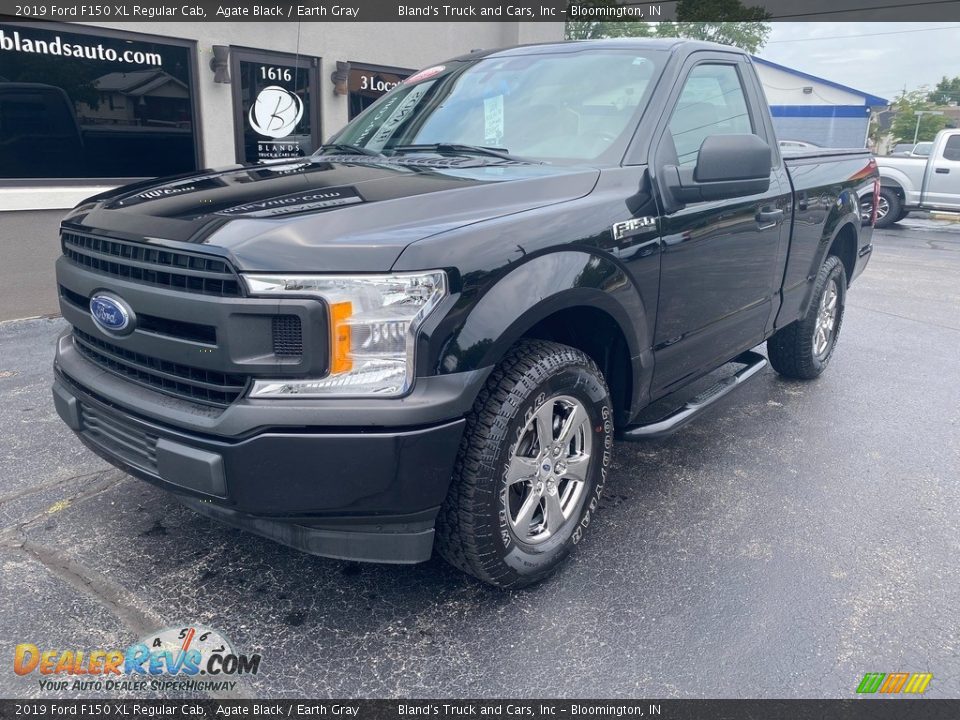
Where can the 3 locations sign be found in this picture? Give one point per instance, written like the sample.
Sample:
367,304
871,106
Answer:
368,83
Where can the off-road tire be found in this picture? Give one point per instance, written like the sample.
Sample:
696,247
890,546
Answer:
473,532
791,349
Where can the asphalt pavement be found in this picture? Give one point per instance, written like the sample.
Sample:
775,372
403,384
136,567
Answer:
791,540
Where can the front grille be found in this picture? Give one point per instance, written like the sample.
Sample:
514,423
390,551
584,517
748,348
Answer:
287,336
135,446
162,267
184,381
179,329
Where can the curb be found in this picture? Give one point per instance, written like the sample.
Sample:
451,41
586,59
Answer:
950,216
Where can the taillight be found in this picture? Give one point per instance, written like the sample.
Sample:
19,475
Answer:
876,201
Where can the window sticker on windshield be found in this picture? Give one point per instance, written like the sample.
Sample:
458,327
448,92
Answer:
424,74
493,120
401,113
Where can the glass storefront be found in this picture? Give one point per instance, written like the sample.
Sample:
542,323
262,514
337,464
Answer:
94,104
368,83
276,113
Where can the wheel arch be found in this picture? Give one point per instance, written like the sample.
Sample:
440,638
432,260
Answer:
897,181
581,299
844,245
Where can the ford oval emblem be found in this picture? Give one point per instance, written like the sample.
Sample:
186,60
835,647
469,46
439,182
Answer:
111,314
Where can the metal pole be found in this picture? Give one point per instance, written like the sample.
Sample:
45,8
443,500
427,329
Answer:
916,132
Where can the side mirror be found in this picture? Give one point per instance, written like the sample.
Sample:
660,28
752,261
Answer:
728,166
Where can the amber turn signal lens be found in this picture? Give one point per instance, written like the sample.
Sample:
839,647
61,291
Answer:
340,337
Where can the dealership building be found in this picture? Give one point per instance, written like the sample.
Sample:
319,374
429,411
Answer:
812,109
83,107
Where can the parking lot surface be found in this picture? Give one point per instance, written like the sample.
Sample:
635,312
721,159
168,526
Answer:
791,540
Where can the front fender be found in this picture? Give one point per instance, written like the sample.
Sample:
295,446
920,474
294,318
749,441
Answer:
530,292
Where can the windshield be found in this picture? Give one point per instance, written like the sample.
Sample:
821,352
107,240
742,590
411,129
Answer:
552,107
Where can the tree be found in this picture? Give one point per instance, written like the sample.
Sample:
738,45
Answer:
596,29
724,21
905,127
945,92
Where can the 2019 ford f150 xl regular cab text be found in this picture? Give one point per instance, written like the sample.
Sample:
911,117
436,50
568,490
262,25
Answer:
429,334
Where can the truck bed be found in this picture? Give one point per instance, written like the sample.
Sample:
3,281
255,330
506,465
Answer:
820,153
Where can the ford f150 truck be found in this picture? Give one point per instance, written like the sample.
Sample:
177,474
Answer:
429,334
915,183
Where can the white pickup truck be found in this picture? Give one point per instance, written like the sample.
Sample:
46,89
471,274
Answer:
915,183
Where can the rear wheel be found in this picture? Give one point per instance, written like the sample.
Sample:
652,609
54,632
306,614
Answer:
532,464
889,207
803,348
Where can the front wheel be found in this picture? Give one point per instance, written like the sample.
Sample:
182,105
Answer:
803,348
531,468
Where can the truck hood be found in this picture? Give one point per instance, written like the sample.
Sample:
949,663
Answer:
341,214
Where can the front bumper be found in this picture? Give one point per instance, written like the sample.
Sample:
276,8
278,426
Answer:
293,473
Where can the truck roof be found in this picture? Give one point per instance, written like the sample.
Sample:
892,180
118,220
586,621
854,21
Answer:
681,45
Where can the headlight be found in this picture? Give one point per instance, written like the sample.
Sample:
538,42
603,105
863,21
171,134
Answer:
373,326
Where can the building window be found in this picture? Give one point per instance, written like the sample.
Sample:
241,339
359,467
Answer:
94,104
276,105
368,83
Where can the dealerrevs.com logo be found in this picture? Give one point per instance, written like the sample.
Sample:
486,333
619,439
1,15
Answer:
183,658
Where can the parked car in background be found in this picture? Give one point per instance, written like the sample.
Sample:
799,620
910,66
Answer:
39,127
901,150
914,183
796,145
921,149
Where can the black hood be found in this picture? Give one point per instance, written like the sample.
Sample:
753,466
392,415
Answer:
326,214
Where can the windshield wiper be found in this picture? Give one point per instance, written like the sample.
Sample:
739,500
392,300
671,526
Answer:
459,149
349,149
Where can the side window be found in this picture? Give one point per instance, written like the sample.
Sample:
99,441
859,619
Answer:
712,102
951,151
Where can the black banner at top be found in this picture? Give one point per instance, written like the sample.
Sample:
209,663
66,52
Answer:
108,11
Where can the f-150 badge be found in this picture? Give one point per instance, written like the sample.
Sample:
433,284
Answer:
633,226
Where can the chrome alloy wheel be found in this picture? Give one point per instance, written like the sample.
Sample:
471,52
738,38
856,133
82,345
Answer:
866,208
547,474
883,207
826,319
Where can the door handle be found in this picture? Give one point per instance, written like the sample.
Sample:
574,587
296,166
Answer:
942,171
768,217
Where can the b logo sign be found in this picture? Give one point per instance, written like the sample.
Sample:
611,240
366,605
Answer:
276,112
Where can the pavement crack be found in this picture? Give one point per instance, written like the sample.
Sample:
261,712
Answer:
51,484
904,317
113,597
105,480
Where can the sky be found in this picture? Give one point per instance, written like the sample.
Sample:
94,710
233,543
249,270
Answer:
878,58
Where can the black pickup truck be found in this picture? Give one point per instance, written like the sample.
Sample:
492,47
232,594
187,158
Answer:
431,332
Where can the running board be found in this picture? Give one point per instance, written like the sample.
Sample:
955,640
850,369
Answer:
696,405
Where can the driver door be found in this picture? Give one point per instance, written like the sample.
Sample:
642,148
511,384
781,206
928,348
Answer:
722,261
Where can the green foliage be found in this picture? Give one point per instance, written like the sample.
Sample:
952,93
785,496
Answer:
596,29
946,91
905,123
724,21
